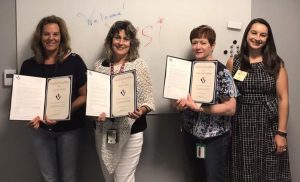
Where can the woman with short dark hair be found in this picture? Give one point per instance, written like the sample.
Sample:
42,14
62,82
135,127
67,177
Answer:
207,128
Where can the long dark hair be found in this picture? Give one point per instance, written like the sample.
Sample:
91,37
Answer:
271,60
131,32
36,44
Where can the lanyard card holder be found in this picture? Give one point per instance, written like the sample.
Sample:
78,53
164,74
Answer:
200,151
112,136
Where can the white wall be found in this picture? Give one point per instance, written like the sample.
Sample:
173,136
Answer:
162,27
16,158
163,158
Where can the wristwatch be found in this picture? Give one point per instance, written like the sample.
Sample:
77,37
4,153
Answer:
280,133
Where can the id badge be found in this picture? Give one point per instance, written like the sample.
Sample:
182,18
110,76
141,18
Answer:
112,136
200,151
240,75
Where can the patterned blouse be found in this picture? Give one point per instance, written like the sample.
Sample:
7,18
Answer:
204,125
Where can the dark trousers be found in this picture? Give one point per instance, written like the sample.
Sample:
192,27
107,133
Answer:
213,167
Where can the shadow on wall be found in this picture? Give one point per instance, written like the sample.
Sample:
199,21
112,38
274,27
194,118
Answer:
89,166
163,158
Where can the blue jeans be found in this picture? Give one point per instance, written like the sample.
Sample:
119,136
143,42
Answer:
57,154
213,167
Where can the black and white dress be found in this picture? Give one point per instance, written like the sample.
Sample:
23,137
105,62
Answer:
253,150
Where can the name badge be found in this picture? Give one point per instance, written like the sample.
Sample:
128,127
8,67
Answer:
200,151
240,75
112,136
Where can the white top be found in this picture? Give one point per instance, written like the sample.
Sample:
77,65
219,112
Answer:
110,153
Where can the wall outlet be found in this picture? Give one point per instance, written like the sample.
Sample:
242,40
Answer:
8,76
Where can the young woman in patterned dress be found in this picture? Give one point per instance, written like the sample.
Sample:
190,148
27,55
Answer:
259,143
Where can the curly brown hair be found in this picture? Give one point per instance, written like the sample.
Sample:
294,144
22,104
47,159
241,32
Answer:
130,31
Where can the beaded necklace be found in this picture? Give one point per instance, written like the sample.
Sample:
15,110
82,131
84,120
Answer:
121,68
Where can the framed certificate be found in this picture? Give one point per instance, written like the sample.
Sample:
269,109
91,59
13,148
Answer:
203,81
115,95
196,77
36,96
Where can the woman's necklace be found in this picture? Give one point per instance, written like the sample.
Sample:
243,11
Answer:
112,71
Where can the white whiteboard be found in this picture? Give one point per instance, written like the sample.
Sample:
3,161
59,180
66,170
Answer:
163,28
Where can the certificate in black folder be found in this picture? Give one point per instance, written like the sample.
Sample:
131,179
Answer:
36,96
196,77
115,95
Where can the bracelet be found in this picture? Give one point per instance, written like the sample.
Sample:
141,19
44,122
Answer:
147,109
280,133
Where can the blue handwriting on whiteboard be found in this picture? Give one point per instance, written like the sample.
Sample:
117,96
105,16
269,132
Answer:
97,17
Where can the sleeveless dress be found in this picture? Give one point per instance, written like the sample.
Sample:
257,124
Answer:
254,126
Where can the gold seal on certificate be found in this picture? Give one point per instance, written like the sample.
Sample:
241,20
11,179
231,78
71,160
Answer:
196,77
115,95
36,96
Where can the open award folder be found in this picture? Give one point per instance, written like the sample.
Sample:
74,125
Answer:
36,96
195,77
115,95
